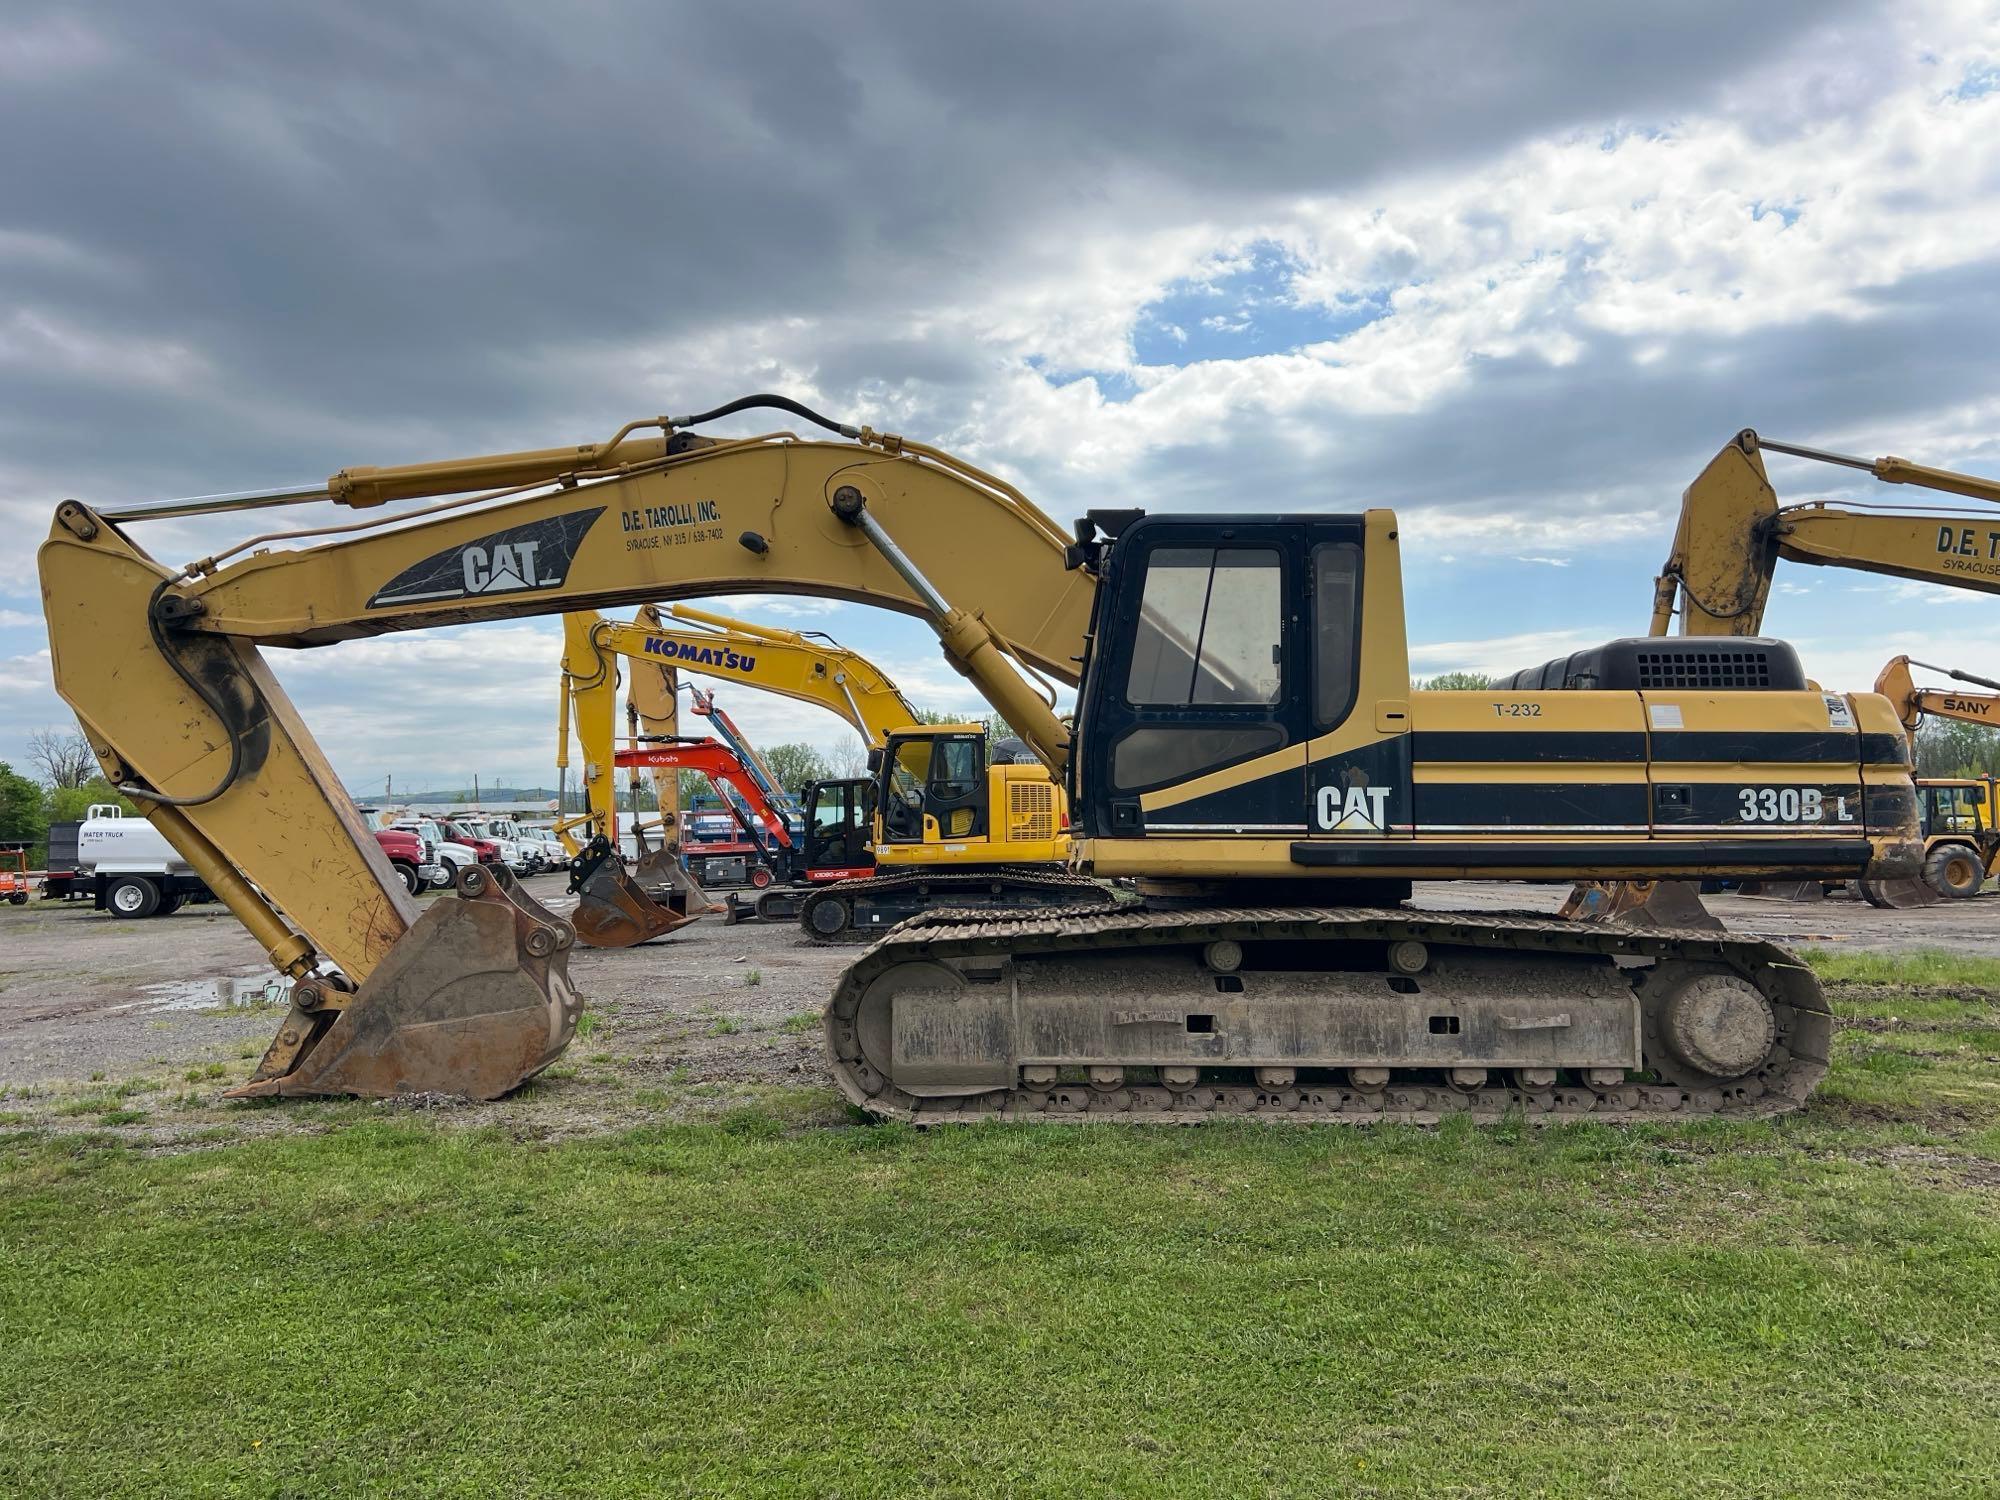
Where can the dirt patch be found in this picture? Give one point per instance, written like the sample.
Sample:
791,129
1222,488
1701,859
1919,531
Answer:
101,1019
1939,1168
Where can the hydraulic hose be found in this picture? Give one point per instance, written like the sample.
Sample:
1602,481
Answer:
776,403
202,691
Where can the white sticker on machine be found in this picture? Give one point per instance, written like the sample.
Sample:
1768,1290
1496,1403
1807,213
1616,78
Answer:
1838,713
1664,715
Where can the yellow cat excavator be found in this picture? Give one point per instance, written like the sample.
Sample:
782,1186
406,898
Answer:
1731,534
1245,745
943,820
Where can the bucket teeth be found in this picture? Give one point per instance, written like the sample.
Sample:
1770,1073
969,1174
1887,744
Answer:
474,1000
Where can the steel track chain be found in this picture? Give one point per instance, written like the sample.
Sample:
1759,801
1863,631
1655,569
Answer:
1796,1063
1015,876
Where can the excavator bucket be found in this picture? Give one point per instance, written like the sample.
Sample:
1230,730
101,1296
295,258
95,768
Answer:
1639,903
475,999
658,868
1899,893
613,910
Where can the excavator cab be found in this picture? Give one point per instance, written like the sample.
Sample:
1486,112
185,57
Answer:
933,785
1218,646
838,815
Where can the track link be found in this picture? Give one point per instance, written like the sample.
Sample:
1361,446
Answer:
1044,888
1653,962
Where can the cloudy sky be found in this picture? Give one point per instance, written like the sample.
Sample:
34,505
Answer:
1515,269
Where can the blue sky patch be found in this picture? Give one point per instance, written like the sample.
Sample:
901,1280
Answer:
1978,83
1243,313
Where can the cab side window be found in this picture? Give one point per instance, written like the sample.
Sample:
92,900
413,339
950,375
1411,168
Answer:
957,763
1210,623
1209,635
1336,630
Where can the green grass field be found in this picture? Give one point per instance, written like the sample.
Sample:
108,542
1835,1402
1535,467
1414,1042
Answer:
757,1305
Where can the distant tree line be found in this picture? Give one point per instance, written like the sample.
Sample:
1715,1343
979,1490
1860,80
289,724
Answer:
1948,748
65,783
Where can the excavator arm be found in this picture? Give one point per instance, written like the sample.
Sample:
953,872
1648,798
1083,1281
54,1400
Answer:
788,663
653,707
1896,683
1732,533
164,669
726,771
615,908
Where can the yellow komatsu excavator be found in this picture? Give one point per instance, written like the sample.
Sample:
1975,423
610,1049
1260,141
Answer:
943,819
615,907
1245,745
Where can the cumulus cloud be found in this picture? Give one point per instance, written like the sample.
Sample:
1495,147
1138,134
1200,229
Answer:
1515,271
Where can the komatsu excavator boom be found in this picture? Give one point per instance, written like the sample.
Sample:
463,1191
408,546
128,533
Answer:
807,668
1246,745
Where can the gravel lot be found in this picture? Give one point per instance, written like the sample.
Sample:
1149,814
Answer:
168,1012
141,1025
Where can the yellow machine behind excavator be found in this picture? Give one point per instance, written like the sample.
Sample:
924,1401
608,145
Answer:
1246,747
1957,813
946,816
616,907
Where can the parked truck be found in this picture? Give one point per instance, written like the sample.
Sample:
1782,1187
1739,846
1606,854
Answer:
62,879
128,868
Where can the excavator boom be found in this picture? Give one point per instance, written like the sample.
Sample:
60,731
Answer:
1896,683
164,669
1732,532
804,668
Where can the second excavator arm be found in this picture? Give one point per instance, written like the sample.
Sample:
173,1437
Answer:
806,669
1732,532
785,662
1913,703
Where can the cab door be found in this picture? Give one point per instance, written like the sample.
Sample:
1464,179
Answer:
955,796
933,788
837,825
1197,681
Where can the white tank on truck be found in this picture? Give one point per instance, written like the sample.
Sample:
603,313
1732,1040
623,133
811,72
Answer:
129,868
